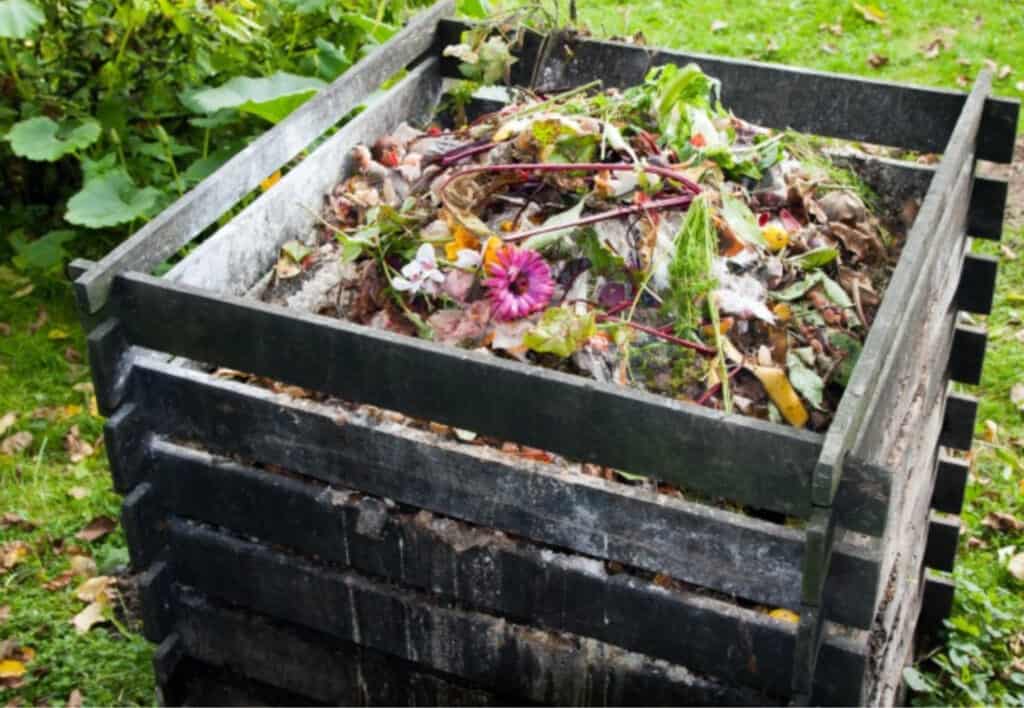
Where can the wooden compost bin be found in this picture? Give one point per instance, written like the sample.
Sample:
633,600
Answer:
295,551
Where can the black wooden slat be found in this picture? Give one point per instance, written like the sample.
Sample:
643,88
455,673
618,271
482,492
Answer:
734,457
943,537
968,354
836,105
108,351
478,648
936,606
589,515
950,485
203,205
195,683
988,201
480,570
125,438
977,283
958,425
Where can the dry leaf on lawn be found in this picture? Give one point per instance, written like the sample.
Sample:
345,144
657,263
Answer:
7,421
93,589
1007,252
96,529
877,61
5,613
1004,71
1001,521
60,582
829,48
1017,395
76,448
12,553
78,492
9,668
42,317
1016,567
719,25
5,329
82,566
74,700
93,614
11,518
871,13
17,443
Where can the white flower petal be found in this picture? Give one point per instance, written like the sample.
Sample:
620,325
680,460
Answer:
401,284
468,259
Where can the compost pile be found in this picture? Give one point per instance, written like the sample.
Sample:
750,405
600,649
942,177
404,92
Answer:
646,237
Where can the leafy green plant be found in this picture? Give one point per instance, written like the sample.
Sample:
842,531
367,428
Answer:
109,110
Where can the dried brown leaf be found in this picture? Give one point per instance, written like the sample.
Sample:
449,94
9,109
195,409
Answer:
93,614
877,61
102,587
42,317
61,581
1016,567
82,566
12,553
829,48
1007,252
96,529
1004,71
74,700
5,329
78,492
72,355
77,448
1002,522
7,421
719,25
962,81
11,518
5,613
1017,395
15,444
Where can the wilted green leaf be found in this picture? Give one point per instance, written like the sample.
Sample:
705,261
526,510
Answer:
815,258
19,18
271,98
560,331
569,216
916,681
44,140
805,380
110,200
832,289
331,60
741,220
851,350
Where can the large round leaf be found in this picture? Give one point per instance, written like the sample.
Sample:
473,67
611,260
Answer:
43,139
271,98
109,200
19,18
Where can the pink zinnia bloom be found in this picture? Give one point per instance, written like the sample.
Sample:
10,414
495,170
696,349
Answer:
520,283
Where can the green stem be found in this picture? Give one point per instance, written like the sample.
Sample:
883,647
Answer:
206,142
13,66
174,170
124,44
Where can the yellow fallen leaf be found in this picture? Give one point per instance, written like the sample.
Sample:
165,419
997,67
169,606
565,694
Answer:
776,237
777,385
270,181
95,589
82,566
9,668
93,614
57,333
783,311
785,615
12,553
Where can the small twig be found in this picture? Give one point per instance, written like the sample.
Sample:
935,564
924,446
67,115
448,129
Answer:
695,346
669,203
706,396
528,167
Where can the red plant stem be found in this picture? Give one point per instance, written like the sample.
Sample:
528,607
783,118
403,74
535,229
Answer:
696,346
706,396
666,172
462,153
680,201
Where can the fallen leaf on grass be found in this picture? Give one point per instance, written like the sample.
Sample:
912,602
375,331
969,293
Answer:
11,518
962,81
99,588
77,448
9,668
5,329
12,553
1004,71
829,48
60,581
1002,522
42,317
78,492
15,444
836,29
74,700
877,61
82,566
23,292
5,613
96,529
1016,567
72,356
871,13
94,613
1007,252
1017,395
57,333
7,421
1019,85
719,25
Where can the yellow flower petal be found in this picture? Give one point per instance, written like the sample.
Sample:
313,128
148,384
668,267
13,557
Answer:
10,668
776,237
491,249
464,240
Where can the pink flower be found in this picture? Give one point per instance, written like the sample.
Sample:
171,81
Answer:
520,283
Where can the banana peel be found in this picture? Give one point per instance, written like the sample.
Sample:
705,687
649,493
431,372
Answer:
775,383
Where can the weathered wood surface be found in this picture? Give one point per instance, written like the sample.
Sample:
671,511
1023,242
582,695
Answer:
203,205
218,666
233,259
480,649
744,459
943,538
967,358
958,426
475,567
836,105
950,485
977,284
694,542
936,606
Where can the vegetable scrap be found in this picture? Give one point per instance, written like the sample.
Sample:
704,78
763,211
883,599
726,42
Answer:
645,237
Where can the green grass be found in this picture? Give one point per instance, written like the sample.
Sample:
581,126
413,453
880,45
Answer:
110,664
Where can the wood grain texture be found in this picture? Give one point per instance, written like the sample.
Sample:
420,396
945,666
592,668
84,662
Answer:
687,445
204,204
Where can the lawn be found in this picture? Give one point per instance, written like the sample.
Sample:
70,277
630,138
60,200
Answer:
58,485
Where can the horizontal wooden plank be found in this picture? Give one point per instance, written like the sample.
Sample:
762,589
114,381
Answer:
950,485
482,570
967,358
248,654
477,484
977,283
690,446
181,222
247,247
478,648
836,105
943,538
958,426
